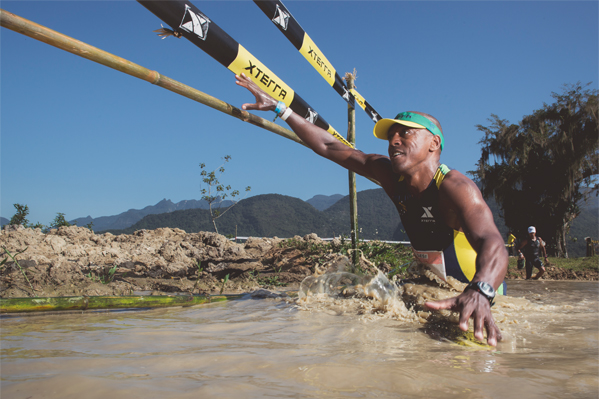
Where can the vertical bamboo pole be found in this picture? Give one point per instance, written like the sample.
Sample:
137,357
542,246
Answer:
353,197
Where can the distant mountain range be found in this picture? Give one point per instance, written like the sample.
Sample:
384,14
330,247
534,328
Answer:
132,216
279,215
322,202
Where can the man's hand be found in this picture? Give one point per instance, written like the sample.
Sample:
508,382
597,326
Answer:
264,102
471,303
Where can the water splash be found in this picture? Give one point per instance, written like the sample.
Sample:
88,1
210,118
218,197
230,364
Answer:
371,297
332,284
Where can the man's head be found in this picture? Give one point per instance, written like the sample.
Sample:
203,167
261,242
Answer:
411,119
532,231
414,139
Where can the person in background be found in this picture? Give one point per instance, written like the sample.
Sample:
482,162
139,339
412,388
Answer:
512,242
590,246
441,209
533,246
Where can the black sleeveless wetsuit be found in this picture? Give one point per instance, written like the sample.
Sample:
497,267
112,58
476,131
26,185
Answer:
422,221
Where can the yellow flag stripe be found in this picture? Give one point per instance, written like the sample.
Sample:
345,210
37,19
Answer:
315,57
359,99
246,63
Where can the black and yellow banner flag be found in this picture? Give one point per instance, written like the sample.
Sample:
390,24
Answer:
188,21
282,18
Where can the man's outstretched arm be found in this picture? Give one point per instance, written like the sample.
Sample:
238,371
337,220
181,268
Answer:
470,213
319,140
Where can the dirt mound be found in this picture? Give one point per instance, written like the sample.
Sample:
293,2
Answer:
75,261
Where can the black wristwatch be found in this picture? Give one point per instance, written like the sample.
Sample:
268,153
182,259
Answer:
485,289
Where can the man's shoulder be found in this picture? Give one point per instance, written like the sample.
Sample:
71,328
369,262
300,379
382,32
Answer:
378,159
455,178
460,190
380,169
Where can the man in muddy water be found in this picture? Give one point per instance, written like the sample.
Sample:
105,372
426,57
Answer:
532,247
440,209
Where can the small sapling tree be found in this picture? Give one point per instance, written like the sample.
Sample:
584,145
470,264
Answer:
215,193
20,217
59,221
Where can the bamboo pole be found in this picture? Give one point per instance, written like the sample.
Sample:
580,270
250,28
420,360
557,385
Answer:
353,196
46,35
28,305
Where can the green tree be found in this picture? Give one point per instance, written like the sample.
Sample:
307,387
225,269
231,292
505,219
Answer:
216,193
59,221
540,170
20,217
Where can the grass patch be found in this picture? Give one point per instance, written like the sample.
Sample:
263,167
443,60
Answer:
385,256
381,253
576,264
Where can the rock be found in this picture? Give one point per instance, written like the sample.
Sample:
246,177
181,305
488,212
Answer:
128,265
57,243
65,272
215,268
312,237
25,264
234,250
13,227
172,252
258,246
176,269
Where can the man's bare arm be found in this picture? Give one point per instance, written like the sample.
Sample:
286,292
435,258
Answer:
543,248
468,212
373,166
476,221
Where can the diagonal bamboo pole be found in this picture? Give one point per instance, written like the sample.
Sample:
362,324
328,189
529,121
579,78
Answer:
46,35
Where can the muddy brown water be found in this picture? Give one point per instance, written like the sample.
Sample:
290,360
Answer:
253,348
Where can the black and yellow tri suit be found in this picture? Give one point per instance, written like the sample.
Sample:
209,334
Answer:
421,219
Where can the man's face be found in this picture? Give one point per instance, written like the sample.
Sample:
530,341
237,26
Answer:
532,235
408,146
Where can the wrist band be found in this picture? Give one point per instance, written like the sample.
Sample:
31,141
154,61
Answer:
286,114
280,108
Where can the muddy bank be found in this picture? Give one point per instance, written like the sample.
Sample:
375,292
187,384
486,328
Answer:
75,261
555,273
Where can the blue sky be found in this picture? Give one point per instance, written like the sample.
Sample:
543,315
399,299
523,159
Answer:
83,139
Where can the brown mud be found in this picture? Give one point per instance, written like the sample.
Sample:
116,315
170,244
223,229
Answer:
73,261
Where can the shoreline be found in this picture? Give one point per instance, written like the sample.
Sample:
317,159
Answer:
74,261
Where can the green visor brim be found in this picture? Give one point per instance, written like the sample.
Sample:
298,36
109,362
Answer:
407,119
